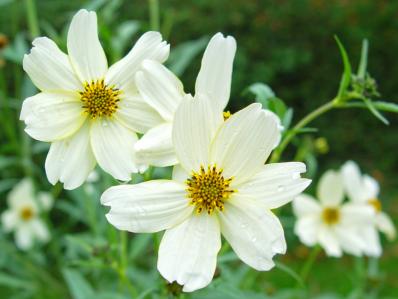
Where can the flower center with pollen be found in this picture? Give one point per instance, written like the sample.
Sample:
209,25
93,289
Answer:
99,99
208,189
376,204
331,215
26,213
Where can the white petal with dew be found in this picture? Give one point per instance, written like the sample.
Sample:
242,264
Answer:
52,116
255,234
113,147
243,143
188,252
276,184
71,160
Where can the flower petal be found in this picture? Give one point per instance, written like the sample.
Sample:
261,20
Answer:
40,230
113,147
156,147
243,143
160,88
255,234
329,241
137,115
84,48
353,214
330,188
305,205
46,200
350,240
22,193
188,252
179,174
147,207
194,127
276,184
24,237
49,68
148,46
71,160
52,116
372,245
370,188
306,228
9,220
215,74
352,180
385,225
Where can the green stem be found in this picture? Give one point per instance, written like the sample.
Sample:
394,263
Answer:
154,15
122,268
31,15
301,124
309,263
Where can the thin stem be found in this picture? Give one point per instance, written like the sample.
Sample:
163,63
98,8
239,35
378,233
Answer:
309,263
154,18
301,124
31,15
122,268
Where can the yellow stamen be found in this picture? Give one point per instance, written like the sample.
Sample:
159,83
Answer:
26,213
376,204
99,99
330,215
208,190
226,115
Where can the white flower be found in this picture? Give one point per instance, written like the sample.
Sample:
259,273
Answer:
221,186
89,112
23,215
330,222
363,189
163,91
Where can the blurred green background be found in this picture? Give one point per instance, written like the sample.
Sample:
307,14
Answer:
288,45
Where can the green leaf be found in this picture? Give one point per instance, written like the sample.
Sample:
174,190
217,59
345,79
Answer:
374,111
346,77
364,60
287,118
183,54
77,284
386,106
262,93
13,282
290,272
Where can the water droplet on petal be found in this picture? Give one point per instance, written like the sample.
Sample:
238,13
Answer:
281,188
254,239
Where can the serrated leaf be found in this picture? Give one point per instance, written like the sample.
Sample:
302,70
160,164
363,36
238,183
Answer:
346,77
374,111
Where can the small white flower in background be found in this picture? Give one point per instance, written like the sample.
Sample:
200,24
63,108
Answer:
363,189
89,112
162,90
330,222
221,186
23,215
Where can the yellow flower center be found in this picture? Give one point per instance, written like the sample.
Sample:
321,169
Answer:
99,99
331,215
26,213
208,190
376,204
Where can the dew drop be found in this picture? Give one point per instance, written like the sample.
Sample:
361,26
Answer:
281,188
254,239
105,124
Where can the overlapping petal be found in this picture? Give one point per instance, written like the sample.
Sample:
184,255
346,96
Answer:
243,143
188,252
276,184
215,74
69,155
147,207
330,188
84,48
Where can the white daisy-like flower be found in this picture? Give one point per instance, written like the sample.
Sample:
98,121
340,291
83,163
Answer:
90,113
363,189
163,91
330,222
221,186
23,215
